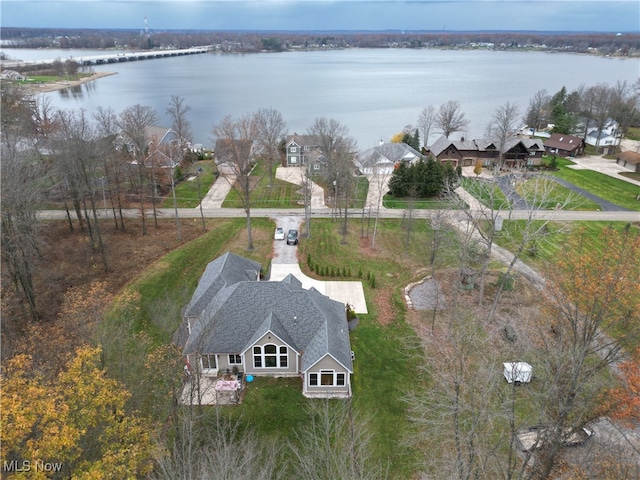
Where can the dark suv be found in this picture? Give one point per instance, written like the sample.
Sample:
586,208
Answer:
292,237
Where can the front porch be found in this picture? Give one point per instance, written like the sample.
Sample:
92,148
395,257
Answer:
210,390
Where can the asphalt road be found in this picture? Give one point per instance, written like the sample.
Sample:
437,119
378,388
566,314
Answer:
556,215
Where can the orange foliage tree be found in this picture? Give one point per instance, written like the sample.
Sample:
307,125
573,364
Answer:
77,422
592,313
625,400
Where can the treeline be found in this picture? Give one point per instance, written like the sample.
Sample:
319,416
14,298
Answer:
599,43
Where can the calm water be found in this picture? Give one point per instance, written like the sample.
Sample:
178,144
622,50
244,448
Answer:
375,93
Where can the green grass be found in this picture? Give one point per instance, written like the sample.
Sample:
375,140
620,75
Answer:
274,194
546,194
420,204
549,248
615,191
193,186
489,194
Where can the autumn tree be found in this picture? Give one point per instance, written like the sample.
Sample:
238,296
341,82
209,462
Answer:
625,400
79,420
450,118
592,292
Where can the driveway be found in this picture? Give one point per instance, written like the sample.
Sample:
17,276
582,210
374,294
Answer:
285,262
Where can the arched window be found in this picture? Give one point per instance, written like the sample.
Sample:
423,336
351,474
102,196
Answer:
270,356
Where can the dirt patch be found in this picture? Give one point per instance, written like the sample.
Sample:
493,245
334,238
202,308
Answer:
68,261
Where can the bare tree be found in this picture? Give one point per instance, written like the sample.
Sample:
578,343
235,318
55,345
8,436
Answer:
107,128
502,128
626,106
236,139
602,99
426,121
339,149
270,129
450,119
77,154
133,123
538,112
334,443
177,111
20,174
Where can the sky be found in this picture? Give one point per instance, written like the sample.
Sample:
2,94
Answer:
301,15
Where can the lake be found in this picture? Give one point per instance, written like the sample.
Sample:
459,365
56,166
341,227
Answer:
374,92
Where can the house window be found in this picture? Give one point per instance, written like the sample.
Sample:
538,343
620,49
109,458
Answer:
257,357
208,362
234,359
294,160
270,356
294,149
313,379
316,166
326,377
340,379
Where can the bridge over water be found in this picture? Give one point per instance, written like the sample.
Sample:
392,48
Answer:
114,57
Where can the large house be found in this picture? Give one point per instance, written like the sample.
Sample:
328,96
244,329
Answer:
383,158
235,322
564,145
516,153
302,150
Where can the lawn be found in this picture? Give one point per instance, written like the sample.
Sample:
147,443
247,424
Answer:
193,186
274,194
546,194
615,191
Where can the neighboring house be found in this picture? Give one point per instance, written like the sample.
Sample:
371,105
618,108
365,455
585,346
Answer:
316,161
602,140
564,145
12,75
516,153
630,160
383,158
164,147
298,148
234,321
232,151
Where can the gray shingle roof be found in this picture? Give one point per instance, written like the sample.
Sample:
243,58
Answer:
223,271
238,314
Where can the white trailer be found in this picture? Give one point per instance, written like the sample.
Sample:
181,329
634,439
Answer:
518,372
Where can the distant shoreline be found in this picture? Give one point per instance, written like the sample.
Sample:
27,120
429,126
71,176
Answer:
61,85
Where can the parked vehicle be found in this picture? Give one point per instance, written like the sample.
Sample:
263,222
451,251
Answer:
292,237
279,235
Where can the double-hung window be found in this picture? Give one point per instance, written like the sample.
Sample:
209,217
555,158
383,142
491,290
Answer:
235,359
